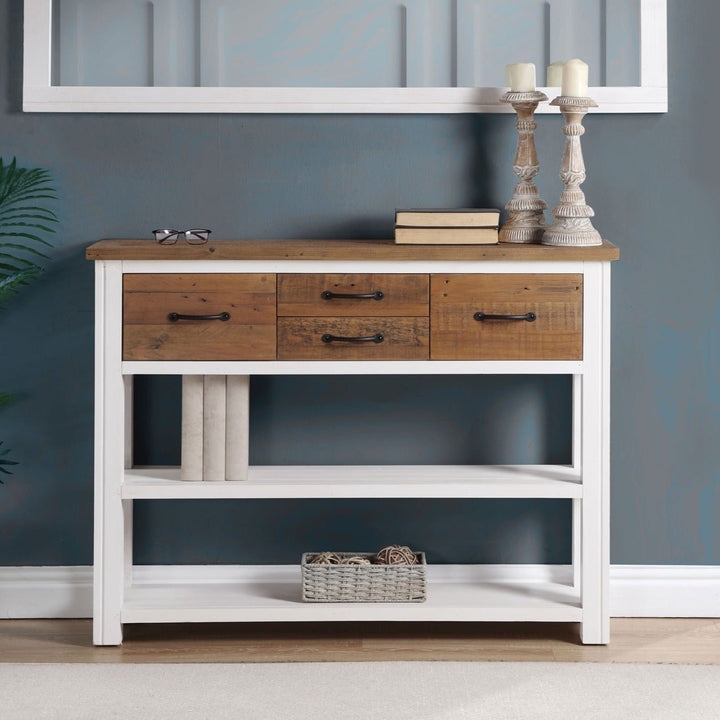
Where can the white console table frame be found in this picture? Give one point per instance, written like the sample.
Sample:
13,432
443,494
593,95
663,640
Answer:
586,481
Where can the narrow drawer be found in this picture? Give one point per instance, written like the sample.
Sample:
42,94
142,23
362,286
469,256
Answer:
461,330
150,333
315,295
394,338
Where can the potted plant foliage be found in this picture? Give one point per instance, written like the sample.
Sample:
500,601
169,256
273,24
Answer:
25,224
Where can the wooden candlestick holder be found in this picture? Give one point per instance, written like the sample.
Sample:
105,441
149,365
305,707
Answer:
526,222
572,225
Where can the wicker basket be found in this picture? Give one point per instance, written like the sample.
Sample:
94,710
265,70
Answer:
363,583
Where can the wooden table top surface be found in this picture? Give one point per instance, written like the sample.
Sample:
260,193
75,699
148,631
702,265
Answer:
341,250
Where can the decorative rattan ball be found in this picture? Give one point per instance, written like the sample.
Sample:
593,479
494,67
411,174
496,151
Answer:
326,558
396,555
355,560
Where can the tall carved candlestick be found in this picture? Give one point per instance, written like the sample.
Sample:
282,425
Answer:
526,222
572,225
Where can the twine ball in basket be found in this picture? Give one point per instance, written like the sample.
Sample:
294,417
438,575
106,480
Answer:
326,558
396,555
355,560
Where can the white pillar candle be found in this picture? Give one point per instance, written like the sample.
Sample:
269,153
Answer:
575,79
555,73
522,77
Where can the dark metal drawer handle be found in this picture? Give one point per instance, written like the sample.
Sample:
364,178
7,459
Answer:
376,338
174,317
529,317
377,295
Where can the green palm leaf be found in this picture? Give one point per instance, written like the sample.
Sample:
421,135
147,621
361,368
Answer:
17,246
11,283
5,462
24,224
4,399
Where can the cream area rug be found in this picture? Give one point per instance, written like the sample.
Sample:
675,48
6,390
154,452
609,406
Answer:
359,691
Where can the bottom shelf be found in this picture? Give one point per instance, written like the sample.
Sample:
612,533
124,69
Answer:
273,594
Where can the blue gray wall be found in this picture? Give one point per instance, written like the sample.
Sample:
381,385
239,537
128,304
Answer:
653,182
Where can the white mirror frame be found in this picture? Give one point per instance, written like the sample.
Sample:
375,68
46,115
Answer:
39,95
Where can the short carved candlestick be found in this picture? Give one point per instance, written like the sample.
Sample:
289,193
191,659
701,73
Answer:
526,222
572,224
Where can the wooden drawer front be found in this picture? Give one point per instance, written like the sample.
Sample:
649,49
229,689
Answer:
403,338
148,333
402,295
556,301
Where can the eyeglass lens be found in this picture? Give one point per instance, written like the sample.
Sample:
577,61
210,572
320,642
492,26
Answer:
166,237
196,236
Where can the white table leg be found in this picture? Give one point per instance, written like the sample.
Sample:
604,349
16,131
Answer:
595,457
127,506
128,382
110,455
577,464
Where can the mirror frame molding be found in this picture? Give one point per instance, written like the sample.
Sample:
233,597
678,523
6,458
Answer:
40,95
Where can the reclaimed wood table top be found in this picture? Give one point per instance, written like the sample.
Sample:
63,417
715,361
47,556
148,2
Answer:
343,250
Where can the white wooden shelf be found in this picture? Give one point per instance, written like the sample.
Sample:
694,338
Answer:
274,595
357,367
362,481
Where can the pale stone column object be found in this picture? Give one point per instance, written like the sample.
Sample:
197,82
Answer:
526,222
192,428
521,77
555,73
572,225
237,427
575,78
214,428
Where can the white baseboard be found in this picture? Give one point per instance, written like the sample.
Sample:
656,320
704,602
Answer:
635,590
46,592
665,591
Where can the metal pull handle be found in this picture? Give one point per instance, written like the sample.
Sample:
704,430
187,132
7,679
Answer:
481,316
377,295
174,317
376,338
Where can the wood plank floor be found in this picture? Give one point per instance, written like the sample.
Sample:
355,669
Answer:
690,641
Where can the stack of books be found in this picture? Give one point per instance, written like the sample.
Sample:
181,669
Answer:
214,427
471,226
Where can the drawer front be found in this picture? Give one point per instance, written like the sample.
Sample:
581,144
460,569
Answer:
402,338
150,334
316,295
556,301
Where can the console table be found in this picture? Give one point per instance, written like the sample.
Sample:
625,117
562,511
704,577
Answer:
351,307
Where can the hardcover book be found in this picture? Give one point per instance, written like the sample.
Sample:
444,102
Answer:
446,235
462,217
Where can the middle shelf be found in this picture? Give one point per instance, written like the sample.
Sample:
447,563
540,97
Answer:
362,481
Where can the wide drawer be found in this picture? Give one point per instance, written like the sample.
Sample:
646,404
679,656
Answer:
152,332
361,338
540,317
316,295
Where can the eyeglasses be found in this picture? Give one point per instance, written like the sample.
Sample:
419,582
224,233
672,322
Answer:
193,237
